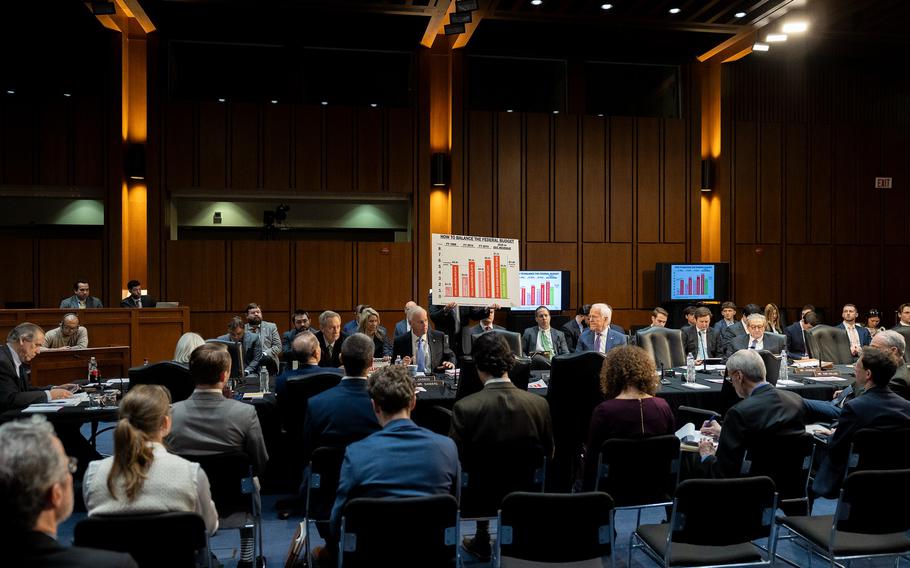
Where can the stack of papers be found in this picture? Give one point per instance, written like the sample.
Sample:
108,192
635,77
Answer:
695,386
688,434
46,407
829,379
787,383
715,367
538,384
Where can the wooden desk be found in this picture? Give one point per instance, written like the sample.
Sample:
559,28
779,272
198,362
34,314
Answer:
70,365
151,333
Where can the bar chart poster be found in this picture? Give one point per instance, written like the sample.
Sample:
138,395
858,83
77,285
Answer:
692,281
475,271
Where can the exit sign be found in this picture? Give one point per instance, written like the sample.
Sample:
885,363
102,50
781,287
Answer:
883,183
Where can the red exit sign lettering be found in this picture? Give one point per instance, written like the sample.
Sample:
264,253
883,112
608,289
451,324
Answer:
883,183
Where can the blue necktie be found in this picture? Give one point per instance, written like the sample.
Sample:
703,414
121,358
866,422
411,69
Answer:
421,358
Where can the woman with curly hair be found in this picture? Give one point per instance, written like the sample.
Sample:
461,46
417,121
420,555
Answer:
629,381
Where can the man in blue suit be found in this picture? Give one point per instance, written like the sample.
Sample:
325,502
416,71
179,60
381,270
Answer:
858,335
402,459
796,335
600,336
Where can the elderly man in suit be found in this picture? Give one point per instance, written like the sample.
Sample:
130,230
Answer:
500,414
23,343
858,335
331,339
210,423
576,326
305,350
542,338
81,298
757,338
701,340
423,346
796,335
269,338
403,327
137,299
36,496
252,348
600,336
729,333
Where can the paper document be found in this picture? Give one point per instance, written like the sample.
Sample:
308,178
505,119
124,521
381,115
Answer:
253,395
41,408
829,379
715,367
117,382
787,383
688,434
538,384
718,381
695,386
805,363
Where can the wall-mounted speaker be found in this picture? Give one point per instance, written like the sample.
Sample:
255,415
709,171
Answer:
439,170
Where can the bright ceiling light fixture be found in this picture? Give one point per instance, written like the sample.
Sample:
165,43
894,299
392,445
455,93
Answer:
775,38
536,2
674,10
739,15
606,6
760,47
795,27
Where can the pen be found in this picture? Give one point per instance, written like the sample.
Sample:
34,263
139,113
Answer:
711,419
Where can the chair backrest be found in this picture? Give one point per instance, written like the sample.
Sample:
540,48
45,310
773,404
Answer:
664,345
372,529
325,472
827,343
639,472
230,479
579,522
741,510
292,405
785,459
511,337
173,376
469,381
867,505
489,472
183,537
878,449
772,365
905,331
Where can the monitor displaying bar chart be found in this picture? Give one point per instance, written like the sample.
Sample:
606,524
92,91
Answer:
692,282
540,288
475,271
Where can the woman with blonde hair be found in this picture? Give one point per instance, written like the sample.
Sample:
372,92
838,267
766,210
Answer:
369,325
141,476
185,346
773,322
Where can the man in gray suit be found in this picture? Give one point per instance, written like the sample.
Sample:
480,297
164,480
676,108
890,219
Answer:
542,338
252,348
81,298
269,338
757,338
210,423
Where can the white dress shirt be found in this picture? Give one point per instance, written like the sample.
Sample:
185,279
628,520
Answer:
17,362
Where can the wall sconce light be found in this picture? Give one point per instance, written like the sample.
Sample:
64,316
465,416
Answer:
135,161
707,176
439,170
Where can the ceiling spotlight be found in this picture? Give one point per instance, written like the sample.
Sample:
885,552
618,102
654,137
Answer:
374,105
67,95
10,92
274,101
760,47
606,6
220,100
536,2
324,103
600,114
775,38
795,27
555,112
674,10
739,15
509,110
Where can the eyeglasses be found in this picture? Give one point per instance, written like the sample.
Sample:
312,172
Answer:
72,464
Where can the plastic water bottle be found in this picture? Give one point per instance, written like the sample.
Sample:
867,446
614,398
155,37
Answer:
690,368
263,379
93,375
784,371
398,360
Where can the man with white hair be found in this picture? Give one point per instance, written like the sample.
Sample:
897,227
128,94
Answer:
36,495
764,412
424,347
403,327
757,339
600,336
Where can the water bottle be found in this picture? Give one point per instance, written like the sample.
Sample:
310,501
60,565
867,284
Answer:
145,362
398,360
263,379
784,371
93,375
690,368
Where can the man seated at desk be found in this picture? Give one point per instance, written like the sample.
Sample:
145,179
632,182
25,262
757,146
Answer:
81,299
68,335
757,339
252,348
423,347
137,299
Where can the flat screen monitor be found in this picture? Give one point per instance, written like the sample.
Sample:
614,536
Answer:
235,348
690,282
548,288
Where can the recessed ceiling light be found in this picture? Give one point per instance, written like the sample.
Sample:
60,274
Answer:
606,6
274,101
600,114
374,105
739,15
795,27
324,103
775,38
555,112
10,92
674,10
760,47
536,2
509,110
67,95
220,100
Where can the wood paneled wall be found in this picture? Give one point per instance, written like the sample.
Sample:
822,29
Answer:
42,270
804,140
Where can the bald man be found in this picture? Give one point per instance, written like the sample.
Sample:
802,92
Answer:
69,334
306,351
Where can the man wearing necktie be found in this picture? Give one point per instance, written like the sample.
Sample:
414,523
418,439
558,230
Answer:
600,336
542,338
423,346
859,336
701,339
137,299
757,339
486,324
796,335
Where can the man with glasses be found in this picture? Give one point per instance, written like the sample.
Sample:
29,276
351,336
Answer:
757,339
36,495
68,335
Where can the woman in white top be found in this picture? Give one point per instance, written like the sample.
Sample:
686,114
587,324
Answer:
141,476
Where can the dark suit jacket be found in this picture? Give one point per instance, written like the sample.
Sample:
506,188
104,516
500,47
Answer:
37,549
586,341
878,408
865,338
502,413
444,320
573,332
728,335
467,332
768,411
529,341
712,343
303,370
439,351
796,345
900,382
769,343
334,360
339,416
401,460
13,394
145,300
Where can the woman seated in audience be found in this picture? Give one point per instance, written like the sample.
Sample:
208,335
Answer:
873,322
629,381
141,476
772,319
185,345
369,325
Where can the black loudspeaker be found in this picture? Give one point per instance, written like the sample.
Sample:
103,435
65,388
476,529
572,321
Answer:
707,175
439,170
135,161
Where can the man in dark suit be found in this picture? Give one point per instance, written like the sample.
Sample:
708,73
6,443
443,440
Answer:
402,459
301,323
764,412
485,324
689,314
403,327
576,326
36,495
796,335
599,337
858,335
137,299
500,414
701,340
728,334
757,338
423,346
879,408
451,318
23,344
81,298
543,338
331,339
903,314
305,351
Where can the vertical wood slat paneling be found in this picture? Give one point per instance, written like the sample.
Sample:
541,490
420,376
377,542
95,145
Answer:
622,166
843,185
647,257
251,284
61,263
895,204
769,194
546,256
88,139
648,180
820,185
339,148
508,168
565,180
594,168
607,273
212,145
869,200
244,159
330,261
17,142
675,181
276,146
479,187
369,150
795,184
382,270
17,263
745,172
537,177
197,274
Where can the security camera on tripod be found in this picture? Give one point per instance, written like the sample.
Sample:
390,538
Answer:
273,221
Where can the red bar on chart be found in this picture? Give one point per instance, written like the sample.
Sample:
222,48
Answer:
464,284
455,280
471,269
547,301
533,296
496,289
682,289
488,281
689,286
481,292
523,298
448,290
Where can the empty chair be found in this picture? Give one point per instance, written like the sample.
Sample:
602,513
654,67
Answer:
827,343
772,365
185,544
876,449
492,471
578,528
664,345
322,485
787,460
713,523
175,377
402,532
293,404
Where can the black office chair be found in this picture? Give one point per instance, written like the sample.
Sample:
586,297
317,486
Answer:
877,449
413,532
740,511
578,527
827,343
870,520
322,485
787,460
469,381
573,393
664,345
772,365
175,377
184,541
489,472
292,405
